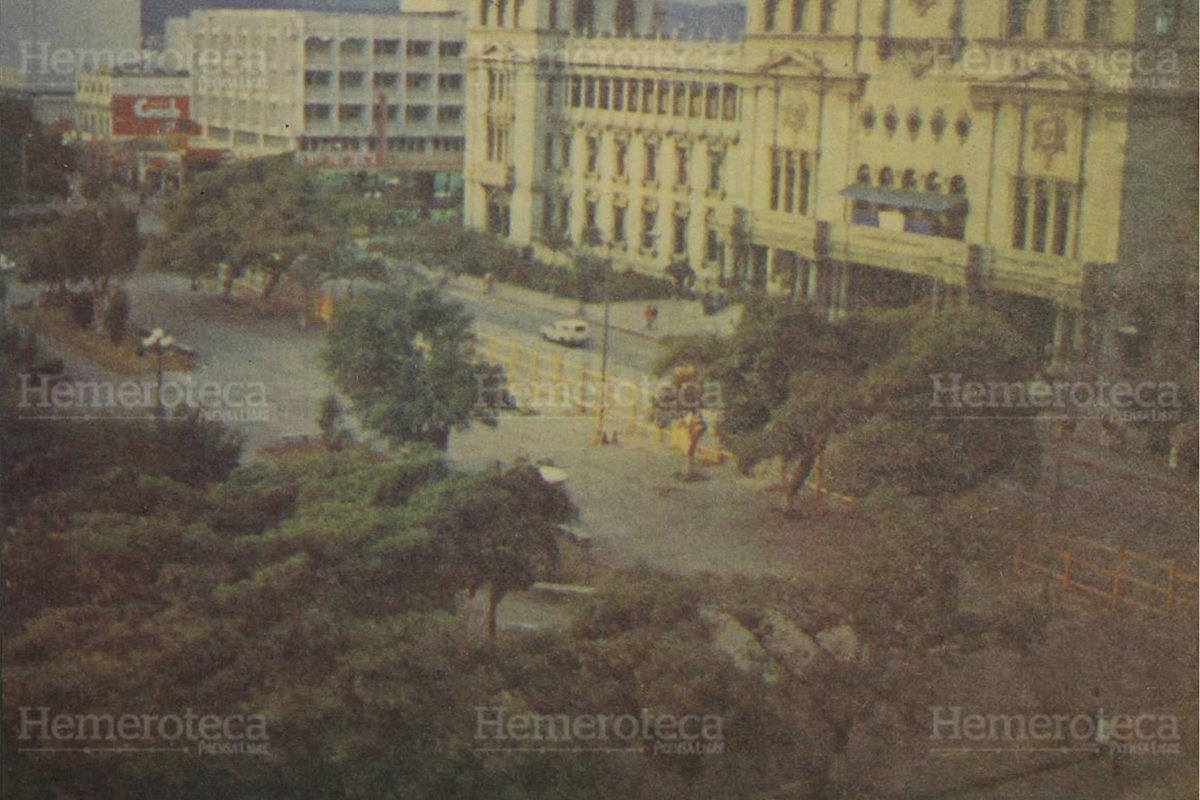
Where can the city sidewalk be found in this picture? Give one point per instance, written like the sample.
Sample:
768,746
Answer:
675,317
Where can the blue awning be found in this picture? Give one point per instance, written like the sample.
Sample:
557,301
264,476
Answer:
903,198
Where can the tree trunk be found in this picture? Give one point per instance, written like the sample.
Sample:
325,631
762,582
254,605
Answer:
269,287
99,308
800,474
305,303
494,598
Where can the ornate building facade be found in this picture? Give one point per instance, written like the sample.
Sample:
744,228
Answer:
851,152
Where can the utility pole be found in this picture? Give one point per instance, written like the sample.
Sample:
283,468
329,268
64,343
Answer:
601,437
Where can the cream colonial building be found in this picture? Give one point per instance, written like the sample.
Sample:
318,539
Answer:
339,90
853,152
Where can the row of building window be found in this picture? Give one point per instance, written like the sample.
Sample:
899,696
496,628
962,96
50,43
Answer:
791,181
499,142
556,218
582,21
1057,21
557,154
1042,214
351,114
1020,20
1042,211
911,181
316,46
393,144
798,18
314,79
675,98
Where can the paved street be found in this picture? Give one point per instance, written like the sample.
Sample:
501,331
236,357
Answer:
630,500
630,344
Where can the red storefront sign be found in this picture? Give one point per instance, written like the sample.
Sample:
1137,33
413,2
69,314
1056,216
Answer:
149,115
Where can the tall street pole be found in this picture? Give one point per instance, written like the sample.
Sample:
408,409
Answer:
600,435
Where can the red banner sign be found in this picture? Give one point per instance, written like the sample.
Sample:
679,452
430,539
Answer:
141,115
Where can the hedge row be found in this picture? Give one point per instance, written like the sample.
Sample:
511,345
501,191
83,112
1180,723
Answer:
447,245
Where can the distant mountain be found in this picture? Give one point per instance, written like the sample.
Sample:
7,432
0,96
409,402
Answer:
698,20
156,12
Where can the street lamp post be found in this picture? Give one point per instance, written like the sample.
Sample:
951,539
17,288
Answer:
160,344
600,436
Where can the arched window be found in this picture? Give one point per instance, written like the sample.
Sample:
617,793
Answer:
827,9
909,180
770,7
933,182
553,15
1054,19
1015,25
958,185
585,18
483,11
501,11
864,174
625,18
797,16
885,177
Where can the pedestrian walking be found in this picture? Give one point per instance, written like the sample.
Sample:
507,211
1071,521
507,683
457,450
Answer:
648,314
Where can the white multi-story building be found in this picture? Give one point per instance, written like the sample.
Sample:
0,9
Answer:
339,90
1040,153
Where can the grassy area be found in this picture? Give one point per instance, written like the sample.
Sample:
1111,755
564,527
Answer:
122,359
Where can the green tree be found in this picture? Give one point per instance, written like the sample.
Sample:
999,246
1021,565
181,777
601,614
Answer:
790,385
31,159
271,215
796,385
116,315
405,359
95,246
916,440
333,434
496,530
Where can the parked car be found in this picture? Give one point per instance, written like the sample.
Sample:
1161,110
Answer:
569,332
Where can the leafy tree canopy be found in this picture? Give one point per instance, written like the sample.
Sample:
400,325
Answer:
405,359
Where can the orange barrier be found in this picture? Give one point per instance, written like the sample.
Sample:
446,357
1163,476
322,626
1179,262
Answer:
1115,575
578,373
